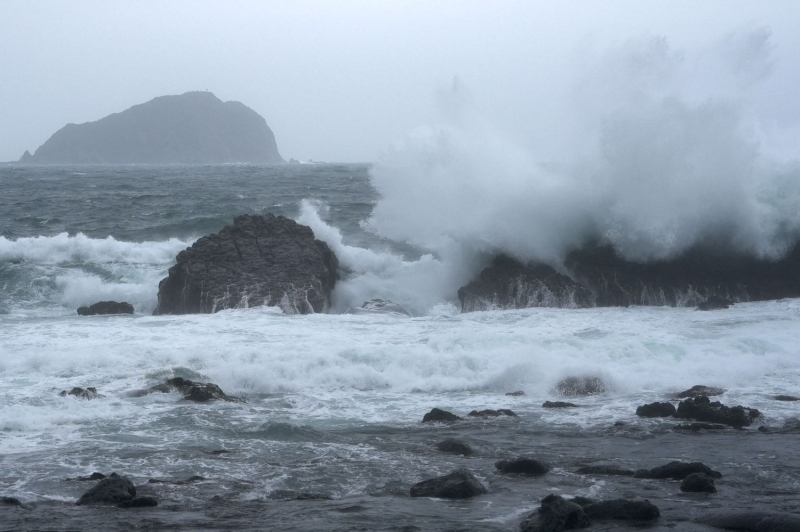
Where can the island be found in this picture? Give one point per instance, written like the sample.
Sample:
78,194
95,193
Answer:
191,128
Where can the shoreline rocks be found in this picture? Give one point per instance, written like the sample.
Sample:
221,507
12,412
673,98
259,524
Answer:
554,515
702,409
191,391
558,404
88,393
656,410
112,490
437,415
106,308
522,466
453,446
580,386
492,413
460,484
698,390
698,483
676,471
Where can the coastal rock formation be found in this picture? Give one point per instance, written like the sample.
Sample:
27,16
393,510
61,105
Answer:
702,409
451,446
460,484
106,307
605,470
523,466
87,393
753,521
554,515
677,471
438,415
191,391
191,128
579,386
492,413
656,410
558,404
621,510
112,490
698,483
259,260
698,390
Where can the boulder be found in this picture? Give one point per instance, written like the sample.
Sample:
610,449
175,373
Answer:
622,509
656,410
380,306
715,303
10,501
522,466
605,470
510,284
191,391
786,398
518,393
82,393
702,409
554,515
578,386
558,404
698,483
439,416
139,502
753,521
460,484
676,471
106,307
112,490
698,390
451,446
492,413
258,261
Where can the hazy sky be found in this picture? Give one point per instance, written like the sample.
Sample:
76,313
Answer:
335,80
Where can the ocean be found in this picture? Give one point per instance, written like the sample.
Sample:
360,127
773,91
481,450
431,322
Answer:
334,402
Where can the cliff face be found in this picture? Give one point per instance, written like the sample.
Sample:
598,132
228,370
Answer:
193,128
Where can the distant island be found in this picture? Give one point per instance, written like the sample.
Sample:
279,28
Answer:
192,128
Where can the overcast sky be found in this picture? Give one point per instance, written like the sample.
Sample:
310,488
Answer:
335,80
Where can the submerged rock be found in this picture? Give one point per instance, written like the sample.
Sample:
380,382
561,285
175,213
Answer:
460,484
112,490
291,495
139,502
656,410
93,476
702,409
715,303
622,509
440,416
380,306
605,470
82,393
558,404
10,501
452,446
579,386
676,471
753,521
786,398
492,413
258,261
698,390
192,391
106,307
698,483
522,466
555,514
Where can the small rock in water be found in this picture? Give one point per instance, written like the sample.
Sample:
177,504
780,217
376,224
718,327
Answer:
753,521
195,478
577,386
702,409
451,446
622,509
656,410
698,483
10,501
112,490
715,303
291,495
460,484
698,390
518,393
492,413
554,515
558,404
93,476
522,466
786,398
380,306
192,391
139,502
106,307
677,471
605,470
440,416
87,393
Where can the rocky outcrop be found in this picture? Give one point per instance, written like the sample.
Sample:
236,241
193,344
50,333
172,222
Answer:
460,484
106,307
83,393
192,128
702,409
522,466
492,413
558,404
656,410
677,471
112,490
191,391
554,515
437,415
259,260
698,390
451,446
698,483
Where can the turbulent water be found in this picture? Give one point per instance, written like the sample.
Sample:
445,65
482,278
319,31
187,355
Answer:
334,401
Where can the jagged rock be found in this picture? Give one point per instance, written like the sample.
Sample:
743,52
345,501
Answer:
554,515
698,390
786,398
605,470
93,476
492,413
87,393
259,260
460,484
558,404
656,410
291,495
698,483
578,386
139,502
621,509
509,284
451,446
106,307
195,478
440,416
676,471
696,427
715,303
522,466
702,409
192,391
379,306
518,393
753,521
112,490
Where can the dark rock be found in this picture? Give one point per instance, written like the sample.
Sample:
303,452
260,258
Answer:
696,427
522,466
259,260
93,476
656,410
676,471
558,404
582,501
87,393
621,509
510,284
459,484
192,391
605,470
715,303
786,398
440,416
380,306
492,413
10,501
698,483
753,521
518,393
577,386
192,128
195,478
698,390
451,446
555,514
106,307
139,502
702,409
112,490
291,495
